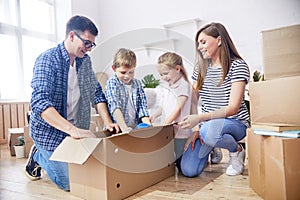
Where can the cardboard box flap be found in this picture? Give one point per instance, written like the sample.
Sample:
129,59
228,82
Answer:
75,150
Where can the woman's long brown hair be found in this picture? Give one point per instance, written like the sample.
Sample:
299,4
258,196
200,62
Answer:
228,52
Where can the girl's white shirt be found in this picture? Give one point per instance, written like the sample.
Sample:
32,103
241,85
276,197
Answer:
169,96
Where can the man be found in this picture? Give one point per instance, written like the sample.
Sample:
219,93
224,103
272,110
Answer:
64,85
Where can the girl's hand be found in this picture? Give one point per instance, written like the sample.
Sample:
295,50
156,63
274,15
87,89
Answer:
192,139
190,121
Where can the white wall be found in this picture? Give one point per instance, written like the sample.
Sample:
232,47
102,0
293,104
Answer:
63,14
122,23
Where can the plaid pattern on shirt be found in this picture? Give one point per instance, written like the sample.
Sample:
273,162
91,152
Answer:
49,89
117,97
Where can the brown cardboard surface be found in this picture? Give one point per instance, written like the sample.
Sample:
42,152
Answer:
28,141
256,162
282,168
120,165
281,52
274,166
275,101
13,134
81,148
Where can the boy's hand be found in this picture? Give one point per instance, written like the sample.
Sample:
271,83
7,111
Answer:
112,128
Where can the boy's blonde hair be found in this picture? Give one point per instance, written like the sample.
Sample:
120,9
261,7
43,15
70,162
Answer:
124,57
172,60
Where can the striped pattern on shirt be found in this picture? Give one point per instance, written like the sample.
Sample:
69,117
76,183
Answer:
214,97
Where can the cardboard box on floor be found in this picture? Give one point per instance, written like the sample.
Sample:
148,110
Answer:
275,101
28,141
118,166
281,52
274,166
13,134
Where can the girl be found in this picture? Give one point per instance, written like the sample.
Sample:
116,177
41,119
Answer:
176,99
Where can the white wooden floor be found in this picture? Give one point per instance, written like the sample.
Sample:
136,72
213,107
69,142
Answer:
212,184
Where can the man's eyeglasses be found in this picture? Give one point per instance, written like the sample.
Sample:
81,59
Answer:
88,44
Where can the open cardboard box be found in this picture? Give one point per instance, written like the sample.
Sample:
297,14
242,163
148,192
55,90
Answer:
118,166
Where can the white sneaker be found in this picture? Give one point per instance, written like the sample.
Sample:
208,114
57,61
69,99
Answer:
236,163
216,155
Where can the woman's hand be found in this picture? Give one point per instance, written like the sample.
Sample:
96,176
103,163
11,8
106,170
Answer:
192,139
190,121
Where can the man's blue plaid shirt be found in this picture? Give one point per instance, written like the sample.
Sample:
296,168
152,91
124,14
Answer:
50,89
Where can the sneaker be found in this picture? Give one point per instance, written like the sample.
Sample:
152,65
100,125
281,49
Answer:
32,168
236,163
216,155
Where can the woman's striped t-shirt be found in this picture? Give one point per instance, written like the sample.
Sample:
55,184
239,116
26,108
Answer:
214,96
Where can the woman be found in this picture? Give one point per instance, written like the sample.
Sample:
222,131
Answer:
221,76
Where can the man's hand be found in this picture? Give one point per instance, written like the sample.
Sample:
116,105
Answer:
78,133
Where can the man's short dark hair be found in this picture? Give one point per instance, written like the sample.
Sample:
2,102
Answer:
81,24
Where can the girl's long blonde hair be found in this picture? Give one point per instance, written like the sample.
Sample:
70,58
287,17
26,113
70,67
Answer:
172,60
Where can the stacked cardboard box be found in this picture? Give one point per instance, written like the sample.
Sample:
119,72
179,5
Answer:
281,52
275,102
274,164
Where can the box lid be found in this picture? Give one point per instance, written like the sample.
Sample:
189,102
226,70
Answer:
75,150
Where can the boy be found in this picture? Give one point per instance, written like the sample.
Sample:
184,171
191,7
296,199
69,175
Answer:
125,95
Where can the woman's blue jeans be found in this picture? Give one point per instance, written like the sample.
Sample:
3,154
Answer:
57,171
222,133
